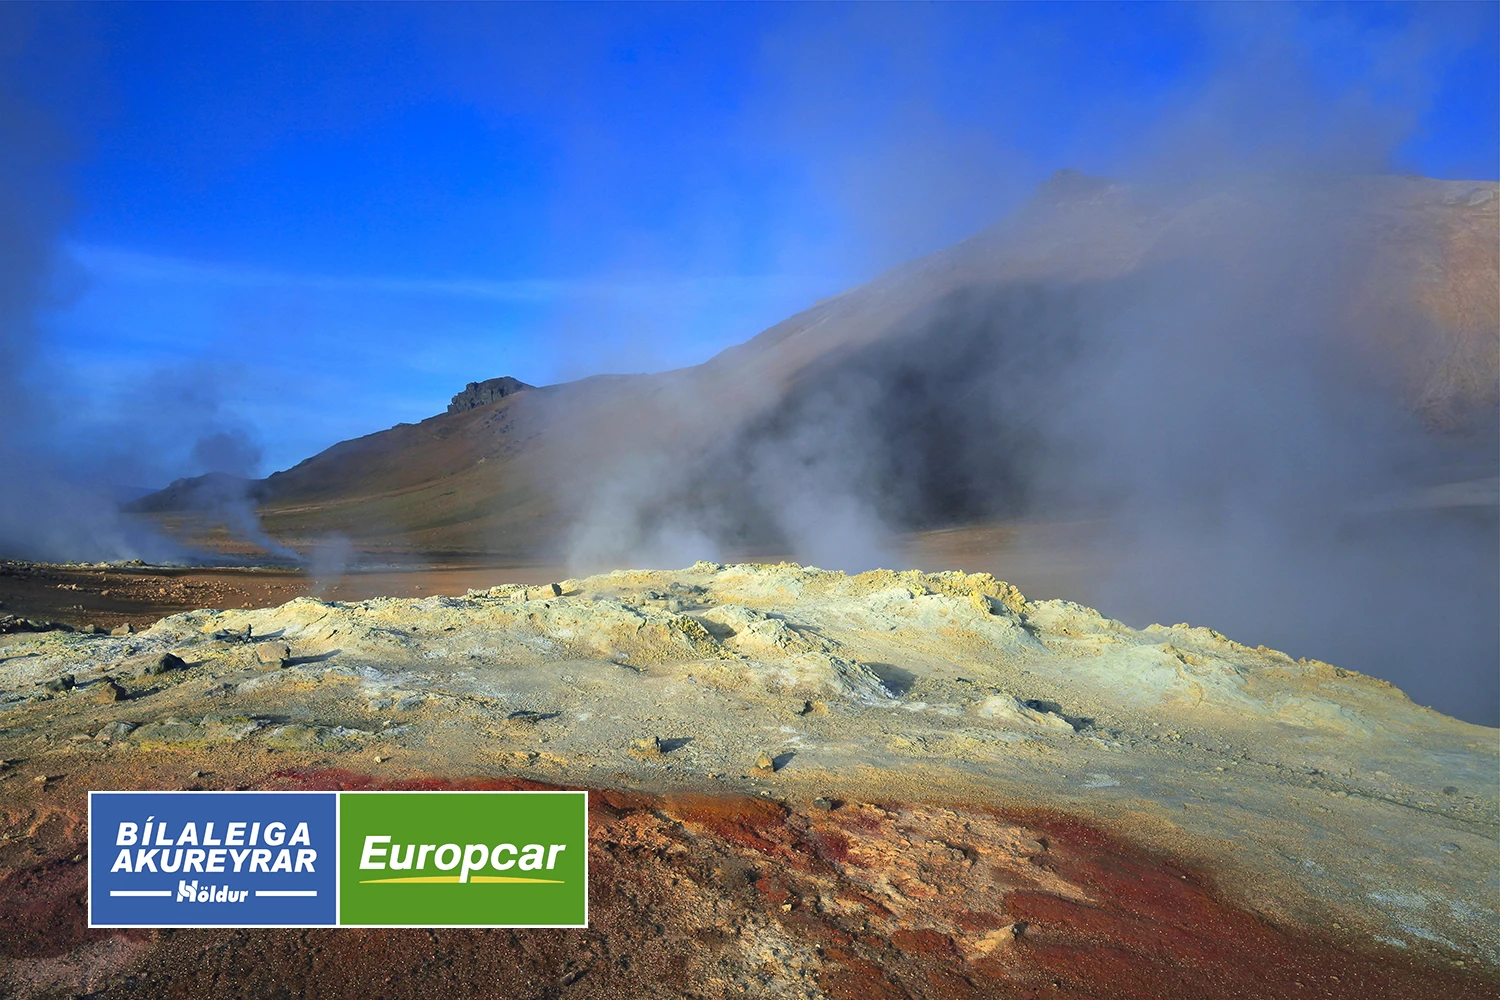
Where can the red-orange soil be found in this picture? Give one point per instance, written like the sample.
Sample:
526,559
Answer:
699,896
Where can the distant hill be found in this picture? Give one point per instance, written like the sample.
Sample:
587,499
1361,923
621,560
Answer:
197,493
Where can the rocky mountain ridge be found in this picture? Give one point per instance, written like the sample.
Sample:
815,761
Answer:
507,469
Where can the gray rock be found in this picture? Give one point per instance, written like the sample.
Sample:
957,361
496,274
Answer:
162,663
478,394
537,593
648,747
273,653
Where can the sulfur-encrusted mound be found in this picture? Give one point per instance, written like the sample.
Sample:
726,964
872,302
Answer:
1315,794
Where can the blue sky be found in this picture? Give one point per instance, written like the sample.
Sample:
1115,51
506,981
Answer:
300,223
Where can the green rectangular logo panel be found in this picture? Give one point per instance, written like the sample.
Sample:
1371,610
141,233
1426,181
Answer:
463,859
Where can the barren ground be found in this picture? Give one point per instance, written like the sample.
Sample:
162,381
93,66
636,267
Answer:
972,794
108,596
1044,559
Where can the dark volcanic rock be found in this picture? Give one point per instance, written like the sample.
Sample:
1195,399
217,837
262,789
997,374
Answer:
161,663
478,394
12,623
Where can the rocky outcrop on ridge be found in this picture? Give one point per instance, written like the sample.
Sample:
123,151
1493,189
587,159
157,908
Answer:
477,394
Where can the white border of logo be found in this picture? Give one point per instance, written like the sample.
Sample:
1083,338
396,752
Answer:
338,901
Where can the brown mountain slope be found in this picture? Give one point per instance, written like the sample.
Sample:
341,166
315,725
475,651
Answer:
407,487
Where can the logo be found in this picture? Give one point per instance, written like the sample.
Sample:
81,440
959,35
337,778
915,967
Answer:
322,859
464,859
212,859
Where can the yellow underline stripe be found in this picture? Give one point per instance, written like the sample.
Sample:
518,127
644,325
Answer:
454,878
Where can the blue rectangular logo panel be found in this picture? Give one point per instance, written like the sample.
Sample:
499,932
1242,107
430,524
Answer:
213,859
